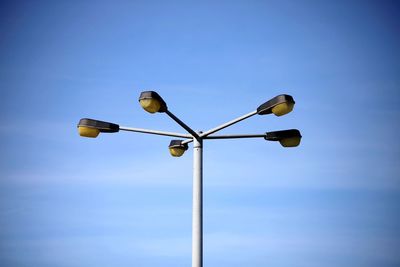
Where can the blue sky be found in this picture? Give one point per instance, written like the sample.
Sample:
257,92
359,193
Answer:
122,200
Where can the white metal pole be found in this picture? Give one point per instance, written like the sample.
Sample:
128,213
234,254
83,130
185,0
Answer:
197,219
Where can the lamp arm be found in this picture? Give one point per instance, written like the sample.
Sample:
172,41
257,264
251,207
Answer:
229,123
140,130
223,126
235,136
182,124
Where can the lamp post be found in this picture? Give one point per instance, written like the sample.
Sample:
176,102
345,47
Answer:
153,103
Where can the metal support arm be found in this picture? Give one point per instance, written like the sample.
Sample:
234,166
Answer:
229,123
139,130
181,123
223,126
235,136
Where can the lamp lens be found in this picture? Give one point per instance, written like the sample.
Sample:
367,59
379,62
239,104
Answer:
88,132
290,142
283,108
176,151
150,105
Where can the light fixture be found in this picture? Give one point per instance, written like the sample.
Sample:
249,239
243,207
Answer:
287,138
279,105
176,148
152,102
92,128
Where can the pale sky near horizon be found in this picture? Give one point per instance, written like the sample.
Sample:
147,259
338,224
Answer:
122,200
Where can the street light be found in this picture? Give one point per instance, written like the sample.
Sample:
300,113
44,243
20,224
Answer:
153,103
279,105
287,138
92,128
176,148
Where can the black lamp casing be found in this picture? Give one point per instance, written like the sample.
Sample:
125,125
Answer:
178,144
102,126
279,135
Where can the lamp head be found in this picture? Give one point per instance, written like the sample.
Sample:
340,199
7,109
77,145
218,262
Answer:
92,128
287,138
279,105
176,148
152,102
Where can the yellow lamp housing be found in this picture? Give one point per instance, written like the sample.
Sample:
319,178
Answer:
92,128
290,142
287,138
279,105
176,148
152,102
88,132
